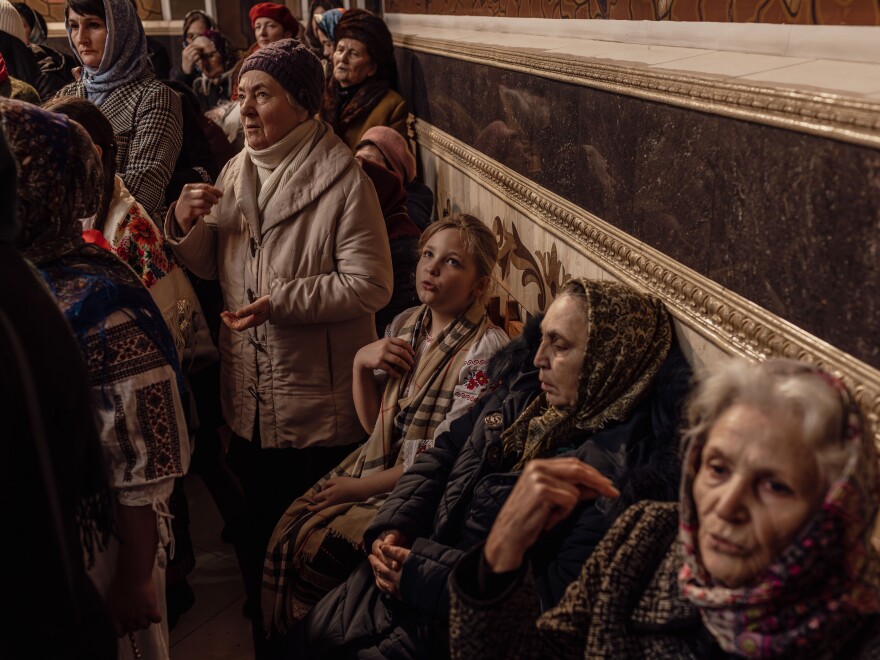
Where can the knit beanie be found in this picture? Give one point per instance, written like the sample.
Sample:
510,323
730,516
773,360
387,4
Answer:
393,146
10,21
296,68
371,30
278,13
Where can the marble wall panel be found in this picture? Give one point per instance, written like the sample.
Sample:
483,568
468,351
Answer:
816,12
787,220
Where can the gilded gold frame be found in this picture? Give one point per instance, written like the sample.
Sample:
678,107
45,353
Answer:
729,321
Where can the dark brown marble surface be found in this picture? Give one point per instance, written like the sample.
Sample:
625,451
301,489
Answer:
815,12
787,220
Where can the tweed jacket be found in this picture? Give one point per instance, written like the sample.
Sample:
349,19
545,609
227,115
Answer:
389,111
321,253
147,126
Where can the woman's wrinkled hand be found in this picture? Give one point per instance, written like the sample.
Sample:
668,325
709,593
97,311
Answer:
133,605
389,568
336,491
196,200
545,494
391,354
249,316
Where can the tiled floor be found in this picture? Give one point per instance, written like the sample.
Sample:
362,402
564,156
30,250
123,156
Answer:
214,629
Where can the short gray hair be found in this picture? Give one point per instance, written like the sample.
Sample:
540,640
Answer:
776,385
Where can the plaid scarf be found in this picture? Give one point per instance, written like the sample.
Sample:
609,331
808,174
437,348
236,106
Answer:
310,553
630,335
817,592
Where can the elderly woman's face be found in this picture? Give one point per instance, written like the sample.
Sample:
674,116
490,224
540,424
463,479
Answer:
89,36
269,31
352,63
757,486
266,113
560,356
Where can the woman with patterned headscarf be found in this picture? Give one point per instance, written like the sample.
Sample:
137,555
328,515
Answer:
136,385
601,381
108,39
768,554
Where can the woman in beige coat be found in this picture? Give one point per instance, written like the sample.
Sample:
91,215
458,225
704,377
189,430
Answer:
295,234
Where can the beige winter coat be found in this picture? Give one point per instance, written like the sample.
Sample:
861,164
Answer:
322,255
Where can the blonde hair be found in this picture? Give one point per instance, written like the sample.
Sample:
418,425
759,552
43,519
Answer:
778,386
477,241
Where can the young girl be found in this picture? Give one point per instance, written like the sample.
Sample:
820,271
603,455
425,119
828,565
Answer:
434,356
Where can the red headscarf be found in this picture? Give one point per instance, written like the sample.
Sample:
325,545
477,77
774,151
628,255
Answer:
276,12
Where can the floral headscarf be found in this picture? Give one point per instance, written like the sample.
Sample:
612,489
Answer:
125,51
60,178
811,598
630,335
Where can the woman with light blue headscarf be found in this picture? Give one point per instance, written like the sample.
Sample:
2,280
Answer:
109,42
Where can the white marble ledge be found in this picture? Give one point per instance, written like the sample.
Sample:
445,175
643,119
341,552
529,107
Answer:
858,79
827,42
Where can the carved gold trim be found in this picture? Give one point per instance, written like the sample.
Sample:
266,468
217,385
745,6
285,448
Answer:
728,320
823,114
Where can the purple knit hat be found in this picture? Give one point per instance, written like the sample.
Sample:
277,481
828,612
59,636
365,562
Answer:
296,68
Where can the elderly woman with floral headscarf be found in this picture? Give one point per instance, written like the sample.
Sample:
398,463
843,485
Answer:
361,92
136,385
109,41
768,554
600,380
294,232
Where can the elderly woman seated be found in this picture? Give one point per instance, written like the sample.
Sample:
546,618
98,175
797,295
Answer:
603,384
767,555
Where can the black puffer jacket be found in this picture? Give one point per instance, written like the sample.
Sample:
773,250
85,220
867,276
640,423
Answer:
446,503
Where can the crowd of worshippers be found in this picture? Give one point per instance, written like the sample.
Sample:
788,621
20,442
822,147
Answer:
195,275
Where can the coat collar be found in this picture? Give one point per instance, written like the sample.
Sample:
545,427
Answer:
329,159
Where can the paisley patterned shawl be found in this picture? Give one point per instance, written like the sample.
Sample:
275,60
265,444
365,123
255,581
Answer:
814,597
630,335
307,549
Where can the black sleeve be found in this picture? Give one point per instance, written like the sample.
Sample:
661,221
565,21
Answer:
413,503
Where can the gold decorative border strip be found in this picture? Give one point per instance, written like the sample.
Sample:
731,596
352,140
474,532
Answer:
823,114
726,319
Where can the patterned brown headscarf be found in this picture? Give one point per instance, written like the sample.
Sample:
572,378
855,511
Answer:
630,335
60,179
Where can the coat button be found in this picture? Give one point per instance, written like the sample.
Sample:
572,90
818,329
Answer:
494,420
493,456
253,246
250,295
253,392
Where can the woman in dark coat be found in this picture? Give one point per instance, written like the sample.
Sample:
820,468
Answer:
361,93
768,555
608,395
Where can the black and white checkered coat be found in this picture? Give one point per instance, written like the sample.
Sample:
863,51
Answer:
147,124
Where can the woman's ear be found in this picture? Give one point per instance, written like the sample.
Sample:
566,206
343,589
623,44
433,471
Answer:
99,150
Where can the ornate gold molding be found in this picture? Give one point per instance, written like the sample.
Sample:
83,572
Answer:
726,319
826,115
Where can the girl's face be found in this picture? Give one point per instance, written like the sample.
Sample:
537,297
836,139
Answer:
89,36
446,277
326,44
269,31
